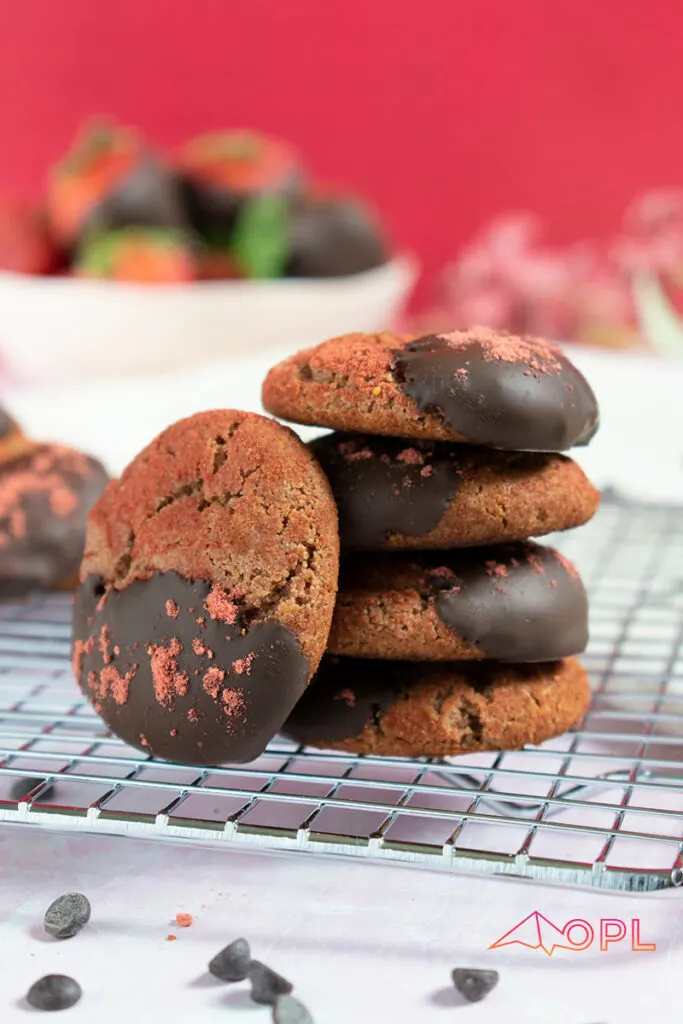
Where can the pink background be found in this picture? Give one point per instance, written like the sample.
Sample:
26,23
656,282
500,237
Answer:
443,113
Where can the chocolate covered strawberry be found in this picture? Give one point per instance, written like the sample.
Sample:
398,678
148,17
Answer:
109,179
223,169
331,236
138,254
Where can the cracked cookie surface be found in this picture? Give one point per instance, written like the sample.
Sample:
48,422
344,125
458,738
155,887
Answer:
510,602
207,588
402,709
477,386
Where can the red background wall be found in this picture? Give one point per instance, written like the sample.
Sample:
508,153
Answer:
442,112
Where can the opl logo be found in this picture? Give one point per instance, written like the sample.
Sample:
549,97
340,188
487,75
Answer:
537,932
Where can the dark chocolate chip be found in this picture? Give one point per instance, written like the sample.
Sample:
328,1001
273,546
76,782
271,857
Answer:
232,963
67,915
288,1010
474,984
266,984
54,992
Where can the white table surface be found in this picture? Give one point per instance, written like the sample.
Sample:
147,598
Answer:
363,942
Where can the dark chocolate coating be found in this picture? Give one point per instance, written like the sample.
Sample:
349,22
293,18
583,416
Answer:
385,484
258,670
213,211
344,696
515,602
331,237
516,403
150,195
45,496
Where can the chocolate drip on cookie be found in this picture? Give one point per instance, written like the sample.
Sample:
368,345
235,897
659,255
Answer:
384,485
515,602
499,390
180,668
345,696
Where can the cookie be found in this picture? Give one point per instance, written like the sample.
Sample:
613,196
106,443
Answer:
207,588
12,439
477,386
512,602
427,494
45,495
418,709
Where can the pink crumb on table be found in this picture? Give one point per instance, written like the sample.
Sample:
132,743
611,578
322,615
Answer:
183,920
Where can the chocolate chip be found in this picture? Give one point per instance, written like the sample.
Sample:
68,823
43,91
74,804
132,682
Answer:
474,984
67,915
266,984
232,963
54,992
288,1010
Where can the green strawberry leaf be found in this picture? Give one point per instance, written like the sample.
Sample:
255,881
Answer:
260,240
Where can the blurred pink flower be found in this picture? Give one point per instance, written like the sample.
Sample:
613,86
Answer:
508,279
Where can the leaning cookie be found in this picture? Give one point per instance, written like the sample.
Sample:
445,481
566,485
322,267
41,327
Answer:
511,602
45,496
403,709
207,588
476,386
427,494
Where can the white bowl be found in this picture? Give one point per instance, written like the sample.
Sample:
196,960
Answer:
60,327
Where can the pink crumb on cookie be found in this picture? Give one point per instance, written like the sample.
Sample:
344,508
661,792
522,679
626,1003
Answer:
219,606
427,471
212,680
168,681
568,566
172,609
233,703
348,696
535,563
243,665
411,457
495,569
198,647
535,353
115,685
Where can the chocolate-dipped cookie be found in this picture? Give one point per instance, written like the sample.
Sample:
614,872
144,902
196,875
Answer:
45,495
476,386
512,602
426,494
207,588
13,442
417,709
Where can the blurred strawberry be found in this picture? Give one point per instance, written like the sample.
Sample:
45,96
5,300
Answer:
222,169
332,235
25,246
143,255
216,265
111,179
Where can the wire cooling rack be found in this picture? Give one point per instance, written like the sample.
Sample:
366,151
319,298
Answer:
602,806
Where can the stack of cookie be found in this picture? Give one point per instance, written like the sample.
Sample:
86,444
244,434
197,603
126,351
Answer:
452,630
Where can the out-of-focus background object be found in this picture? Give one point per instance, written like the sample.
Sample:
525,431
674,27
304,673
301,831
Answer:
140,260
530,156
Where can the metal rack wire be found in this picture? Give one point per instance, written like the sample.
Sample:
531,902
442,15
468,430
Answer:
602,806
